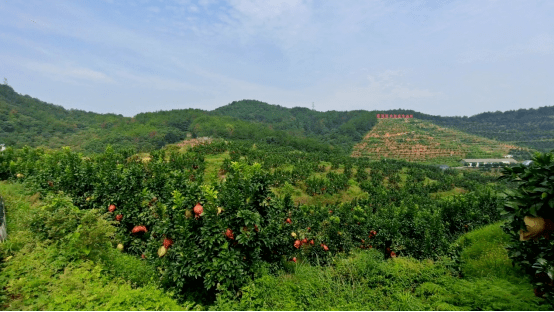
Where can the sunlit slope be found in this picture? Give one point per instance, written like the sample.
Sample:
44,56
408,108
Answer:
417,140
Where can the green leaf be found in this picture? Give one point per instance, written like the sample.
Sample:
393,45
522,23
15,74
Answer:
533,211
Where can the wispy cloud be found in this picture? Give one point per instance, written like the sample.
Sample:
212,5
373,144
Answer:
542,44
69,73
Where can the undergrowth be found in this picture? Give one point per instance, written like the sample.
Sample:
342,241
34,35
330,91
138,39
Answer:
70,264
47,266
364,280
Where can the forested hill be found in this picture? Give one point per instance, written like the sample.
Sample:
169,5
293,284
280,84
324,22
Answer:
525,127
28,121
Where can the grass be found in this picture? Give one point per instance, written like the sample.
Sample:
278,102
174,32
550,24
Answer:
452,192
43,274
364,280
213,164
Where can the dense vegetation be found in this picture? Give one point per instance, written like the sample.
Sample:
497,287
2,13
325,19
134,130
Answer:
271,213
532,128
28,121
251,222
530,210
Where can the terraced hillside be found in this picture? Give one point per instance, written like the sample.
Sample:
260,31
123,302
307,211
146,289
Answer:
417,140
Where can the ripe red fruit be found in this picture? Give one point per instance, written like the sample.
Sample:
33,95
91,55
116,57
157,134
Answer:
294,259
297,243
198,209
111,208
229,234
143,256
305,241
325,247
393,254
168,242
119,217
311,242
330,211
139,229
288,221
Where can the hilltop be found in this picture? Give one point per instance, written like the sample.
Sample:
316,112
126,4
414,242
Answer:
25,120
418,140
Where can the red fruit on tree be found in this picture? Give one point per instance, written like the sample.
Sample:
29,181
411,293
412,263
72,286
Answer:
312,242
139,229
143,256
288,221
297,243
305,241
168,242
393,254
229,234
111,208
119,217
325,247
294,259
198,209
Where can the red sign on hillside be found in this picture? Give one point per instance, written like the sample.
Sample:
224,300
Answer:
385,116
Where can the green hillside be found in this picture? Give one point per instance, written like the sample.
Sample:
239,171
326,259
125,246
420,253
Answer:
418,140
29,121
532,128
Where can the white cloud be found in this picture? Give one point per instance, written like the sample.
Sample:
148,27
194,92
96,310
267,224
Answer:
154,82
69,73
381,90
538,44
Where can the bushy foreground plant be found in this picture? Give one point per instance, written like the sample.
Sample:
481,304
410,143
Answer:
234,230
533,200
69,263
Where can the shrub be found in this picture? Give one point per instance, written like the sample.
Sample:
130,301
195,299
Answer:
534,197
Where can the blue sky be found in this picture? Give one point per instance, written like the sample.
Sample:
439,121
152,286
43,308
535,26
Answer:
126,57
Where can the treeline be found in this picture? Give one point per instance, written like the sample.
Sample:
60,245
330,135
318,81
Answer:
28,121
532,128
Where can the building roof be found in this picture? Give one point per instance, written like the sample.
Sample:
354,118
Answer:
490,160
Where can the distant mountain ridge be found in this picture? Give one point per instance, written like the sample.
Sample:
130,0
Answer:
28,121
